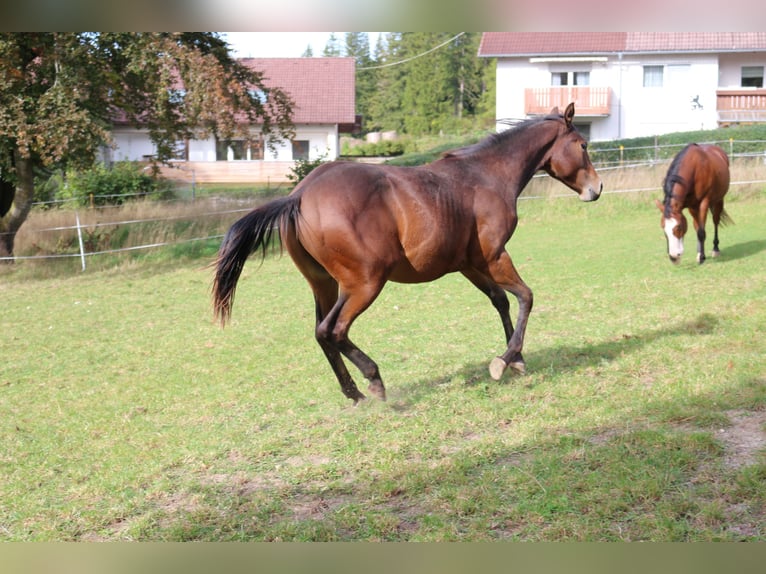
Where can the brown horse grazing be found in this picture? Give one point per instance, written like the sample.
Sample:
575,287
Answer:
350,227
697,179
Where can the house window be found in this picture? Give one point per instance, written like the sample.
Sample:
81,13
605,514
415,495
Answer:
653,76
581,78
559,79
237,150
301,149
570,78
752,76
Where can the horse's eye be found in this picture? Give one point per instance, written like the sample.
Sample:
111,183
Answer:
584,146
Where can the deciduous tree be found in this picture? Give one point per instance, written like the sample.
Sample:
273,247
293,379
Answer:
60,93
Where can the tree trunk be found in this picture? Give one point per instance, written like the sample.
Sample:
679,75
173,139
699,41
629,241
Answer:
22,203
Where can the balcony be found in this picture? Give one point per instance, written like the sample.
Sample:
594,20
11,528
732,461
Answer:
741,106
589,101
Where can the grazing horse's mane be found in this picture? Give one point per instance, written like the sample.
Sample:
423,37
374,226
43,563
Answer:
673,177
497,139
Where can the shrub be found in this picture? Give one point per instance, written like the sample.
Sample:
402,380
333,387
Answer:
303,167
385,148
112,185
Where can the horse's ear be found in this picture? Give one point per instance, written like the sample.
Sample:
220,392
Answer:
555,111
659,205
569,114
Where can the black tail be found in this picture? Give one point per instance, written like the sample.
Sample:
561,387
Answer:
246,236
726,219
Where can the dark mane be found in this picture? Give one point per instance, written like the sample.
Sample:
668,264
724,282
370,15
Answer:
673,177
497,139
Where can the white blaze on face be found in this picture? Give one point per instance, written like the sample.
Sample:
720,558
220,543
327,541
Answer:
675,245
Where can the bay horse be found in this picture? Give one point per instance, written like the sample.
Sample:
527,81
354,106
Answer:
697,180
351,227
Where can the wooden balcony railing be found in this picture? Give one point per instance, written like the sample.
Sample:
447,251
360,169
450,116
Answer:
588,100
745,105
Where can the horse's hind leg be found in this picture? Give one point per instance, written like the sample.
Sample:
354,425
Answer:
717,210
334,331
325,290
325,299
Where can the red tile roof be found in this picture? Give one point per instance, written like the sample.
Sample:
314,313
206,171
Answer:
494,44
323,89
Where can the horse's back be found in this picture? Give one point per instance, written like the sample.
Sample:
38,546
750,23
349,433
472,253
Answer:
719,163
710,168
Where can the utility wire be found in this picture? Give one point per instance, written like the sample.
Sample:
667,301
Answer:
413,57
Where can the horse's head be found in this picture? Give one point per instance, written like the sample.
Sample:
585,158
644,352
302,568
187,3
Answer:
568,161
674,225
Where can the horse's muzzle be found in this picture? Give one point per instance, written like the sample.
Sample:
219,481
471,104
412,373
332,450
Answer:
675,260
591,194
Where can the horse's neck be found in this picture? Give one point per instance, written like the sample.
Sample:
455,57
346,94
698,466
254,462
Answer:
527,158
675,200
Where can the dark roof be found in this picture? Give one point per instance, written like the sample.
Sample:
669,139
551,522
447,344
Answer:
498,44
323,89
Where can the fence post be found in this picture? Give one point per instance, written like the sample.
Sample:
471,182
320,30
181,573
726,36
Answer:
622,158
79,238
731,147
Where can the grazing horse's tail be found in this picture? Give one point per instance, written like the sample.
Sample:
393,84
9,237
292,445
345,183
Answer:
725,219
246,236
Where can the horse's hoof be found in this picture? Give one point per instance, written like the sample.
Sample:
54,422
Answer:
377,389
358,398
716,253
496,368
519,366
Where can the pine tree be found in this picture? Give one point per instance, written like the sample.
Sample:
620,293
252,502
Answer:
429,90
385,102
358,47
332,48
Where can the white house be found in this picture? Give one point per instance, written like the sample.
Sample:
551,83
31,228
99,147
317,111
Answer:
631,84
323,91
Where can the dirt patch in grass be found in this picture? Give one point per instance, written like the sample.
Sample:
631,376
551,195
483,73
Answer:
744,439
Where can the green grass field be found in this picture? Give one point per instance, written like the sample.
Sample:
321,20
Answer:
127,414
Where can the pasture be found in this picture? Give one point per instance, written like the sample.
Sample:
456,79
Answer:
126,413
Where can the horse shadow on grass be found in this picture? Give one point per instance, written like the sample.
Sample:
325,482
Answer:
743,250
558,359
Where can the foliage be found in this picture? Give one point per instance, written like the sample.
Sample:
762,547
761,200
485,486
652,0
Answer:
60,92
737,139
382,148
113,185
743,139
303,167
410,87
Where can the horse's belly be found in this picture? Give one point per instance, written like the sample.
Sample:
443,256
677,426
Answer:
422,270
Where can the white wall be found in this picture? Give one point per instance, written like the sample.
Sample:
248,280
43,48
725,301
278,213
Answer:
635,110
131,145
135,145
659,110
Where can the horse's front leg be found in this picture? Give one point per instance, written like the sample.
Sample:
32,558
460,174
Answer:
504,274
699,217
